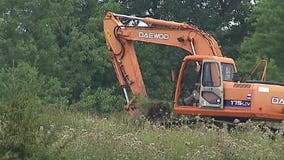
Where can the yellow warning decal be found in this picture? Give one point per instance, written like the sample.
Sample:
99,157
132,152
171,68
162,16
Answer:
108,34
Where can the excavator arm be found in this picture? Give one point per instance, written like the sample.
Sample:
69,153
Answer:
119,38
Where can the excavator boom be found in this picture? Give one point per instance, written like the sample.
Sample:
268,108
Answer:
120,37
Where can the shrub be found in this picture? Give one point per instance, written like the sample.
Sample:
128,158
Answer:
102,100
23,93
26,79
17,126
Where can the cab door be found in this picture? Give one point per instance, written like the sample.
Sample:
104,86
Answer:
211,88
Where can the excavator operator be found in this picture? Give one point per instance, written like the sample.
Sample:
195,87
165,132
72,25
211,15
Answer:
193,97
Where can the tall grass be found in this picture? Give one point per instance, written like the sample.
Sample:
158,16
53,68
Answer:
72,135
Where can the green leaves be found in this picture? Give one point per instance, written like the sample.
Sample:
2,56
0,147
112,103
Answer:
19,80
63,43
24,79
101,100
24,92
266,40
62,39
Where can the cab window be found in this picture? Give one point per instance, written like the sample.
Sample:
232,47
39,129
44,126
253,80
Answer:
227,71
211,75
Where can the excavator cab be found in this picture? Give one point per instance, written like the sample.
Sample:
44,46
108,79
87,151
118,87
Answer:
206,90
219,94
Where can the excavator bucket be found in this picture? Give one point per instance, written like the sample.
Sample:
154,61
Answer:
152,110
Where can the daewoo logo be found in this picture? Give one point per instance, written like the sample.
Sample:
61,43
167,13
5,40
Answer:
276,100
151,35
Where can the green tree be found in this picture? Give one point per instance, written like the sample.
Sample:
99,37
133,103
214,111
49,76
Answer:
266,37
225,19
24,92
63,39
156,63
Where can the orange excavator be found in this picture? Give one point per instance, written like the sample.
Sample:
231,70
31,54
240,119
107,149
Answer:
208,83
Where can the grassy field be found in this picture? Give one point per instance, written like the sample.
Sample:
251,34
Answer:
69,135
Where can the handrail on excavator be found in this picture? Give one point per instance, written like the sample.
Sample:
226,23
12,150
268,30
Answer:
148,20
262,77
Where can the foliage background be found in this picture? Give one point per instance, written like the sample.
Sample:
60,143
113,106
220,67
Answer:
53,58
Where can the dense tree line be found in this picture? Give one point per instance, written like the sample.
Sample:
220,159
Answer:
53,53
63,40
